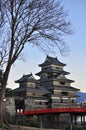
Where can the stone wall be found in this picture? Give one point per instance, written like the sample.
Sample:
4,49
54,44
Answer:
30,128
10,105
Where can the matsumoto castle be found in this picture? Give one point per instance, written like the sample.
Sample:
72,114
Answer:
52,90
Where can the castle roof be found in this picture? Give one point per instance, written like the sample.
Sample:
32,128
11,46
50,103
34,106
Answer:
50,70
46,79
64,79
51,60
25,88
65,88
26,78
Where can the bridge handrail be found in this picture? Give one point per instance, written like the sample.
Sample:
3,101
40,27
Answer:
55,110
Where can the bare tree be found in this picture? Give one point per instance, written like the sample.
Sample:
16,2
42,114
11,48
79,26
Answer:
1,14
39,22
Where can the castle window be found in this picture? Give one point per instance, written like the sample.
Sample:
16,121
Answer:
64,100
42,103
62,83
33,94
49,76
65,93
57,68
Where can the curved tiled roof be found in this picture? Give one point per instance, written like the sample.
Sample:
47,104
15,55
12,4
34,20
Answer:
51,60
62,79
26,78
25,88
52,71
67,88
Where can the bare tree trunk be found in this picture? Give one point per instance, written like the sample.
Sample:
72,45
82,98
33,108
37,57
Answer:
1,112
3,121
2,96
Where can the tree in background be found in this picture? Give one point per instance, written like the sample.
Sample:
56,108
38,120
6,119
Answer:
42,23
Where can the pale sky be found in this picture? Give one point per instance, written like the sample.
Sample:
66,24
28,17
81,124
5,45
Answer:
76,61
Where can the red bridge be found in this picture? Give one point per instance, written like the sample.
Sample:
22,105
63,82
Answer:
54,110
73,112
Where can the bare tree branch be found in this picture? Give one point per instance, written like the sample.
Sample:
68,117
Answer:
42,23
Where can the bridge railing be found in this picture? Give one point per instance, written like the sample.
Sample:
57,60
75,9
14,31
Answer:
54,110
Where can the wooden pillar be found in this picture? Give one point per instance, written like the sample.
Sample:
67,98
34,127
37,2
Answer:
71,116
41,122
58,118
52,115
81,118
38,117
75,120
71,121
84,119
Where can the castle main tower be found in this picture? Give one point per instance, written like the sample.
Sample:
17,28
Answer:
53,78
